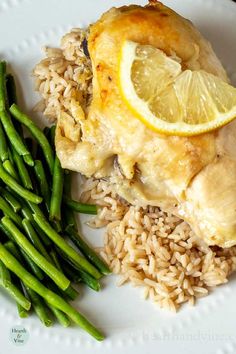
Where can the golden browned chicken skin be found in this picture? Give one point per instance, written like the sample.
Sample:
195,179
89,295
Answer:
192,177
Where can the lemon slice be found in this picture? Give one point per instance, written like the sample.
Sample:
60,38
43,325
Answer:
169,100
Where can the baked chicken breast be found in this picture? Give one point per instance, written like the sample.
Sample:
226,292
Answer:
193,177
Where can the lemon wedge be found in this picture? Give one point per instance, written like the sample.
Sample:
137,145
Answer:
171,100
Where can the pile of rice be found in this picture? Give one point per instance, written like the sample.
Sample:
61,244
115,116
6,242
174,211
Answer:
63,76
146,246
156,250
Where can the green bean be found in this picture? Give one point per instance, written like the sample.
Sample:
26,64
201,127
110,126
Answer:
43,183
49,296
4,275
11,89
3,95
39,307
70,272
21,255
12,98
32,265
35,208
60,316
8,166
10,157
70,291
55,260
37,134
69,217
12,290
58,291
15,138
3,145
69,220
43,237
85,277
56,225
65,247
88,252
23,258
59,278
50,134
76,274
90,281
80,207
7,210
28,159
57,189
22,170
11,247
6,232
14,185
26,212
22,312
10,199
32,235
52,286
40,156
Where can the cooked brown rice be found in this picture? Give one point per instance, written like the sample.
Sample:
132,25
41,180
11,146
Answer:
146,246
156,250
63,76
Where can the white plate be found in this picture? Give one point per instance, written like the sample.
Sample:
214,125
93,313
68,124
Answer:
131,324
